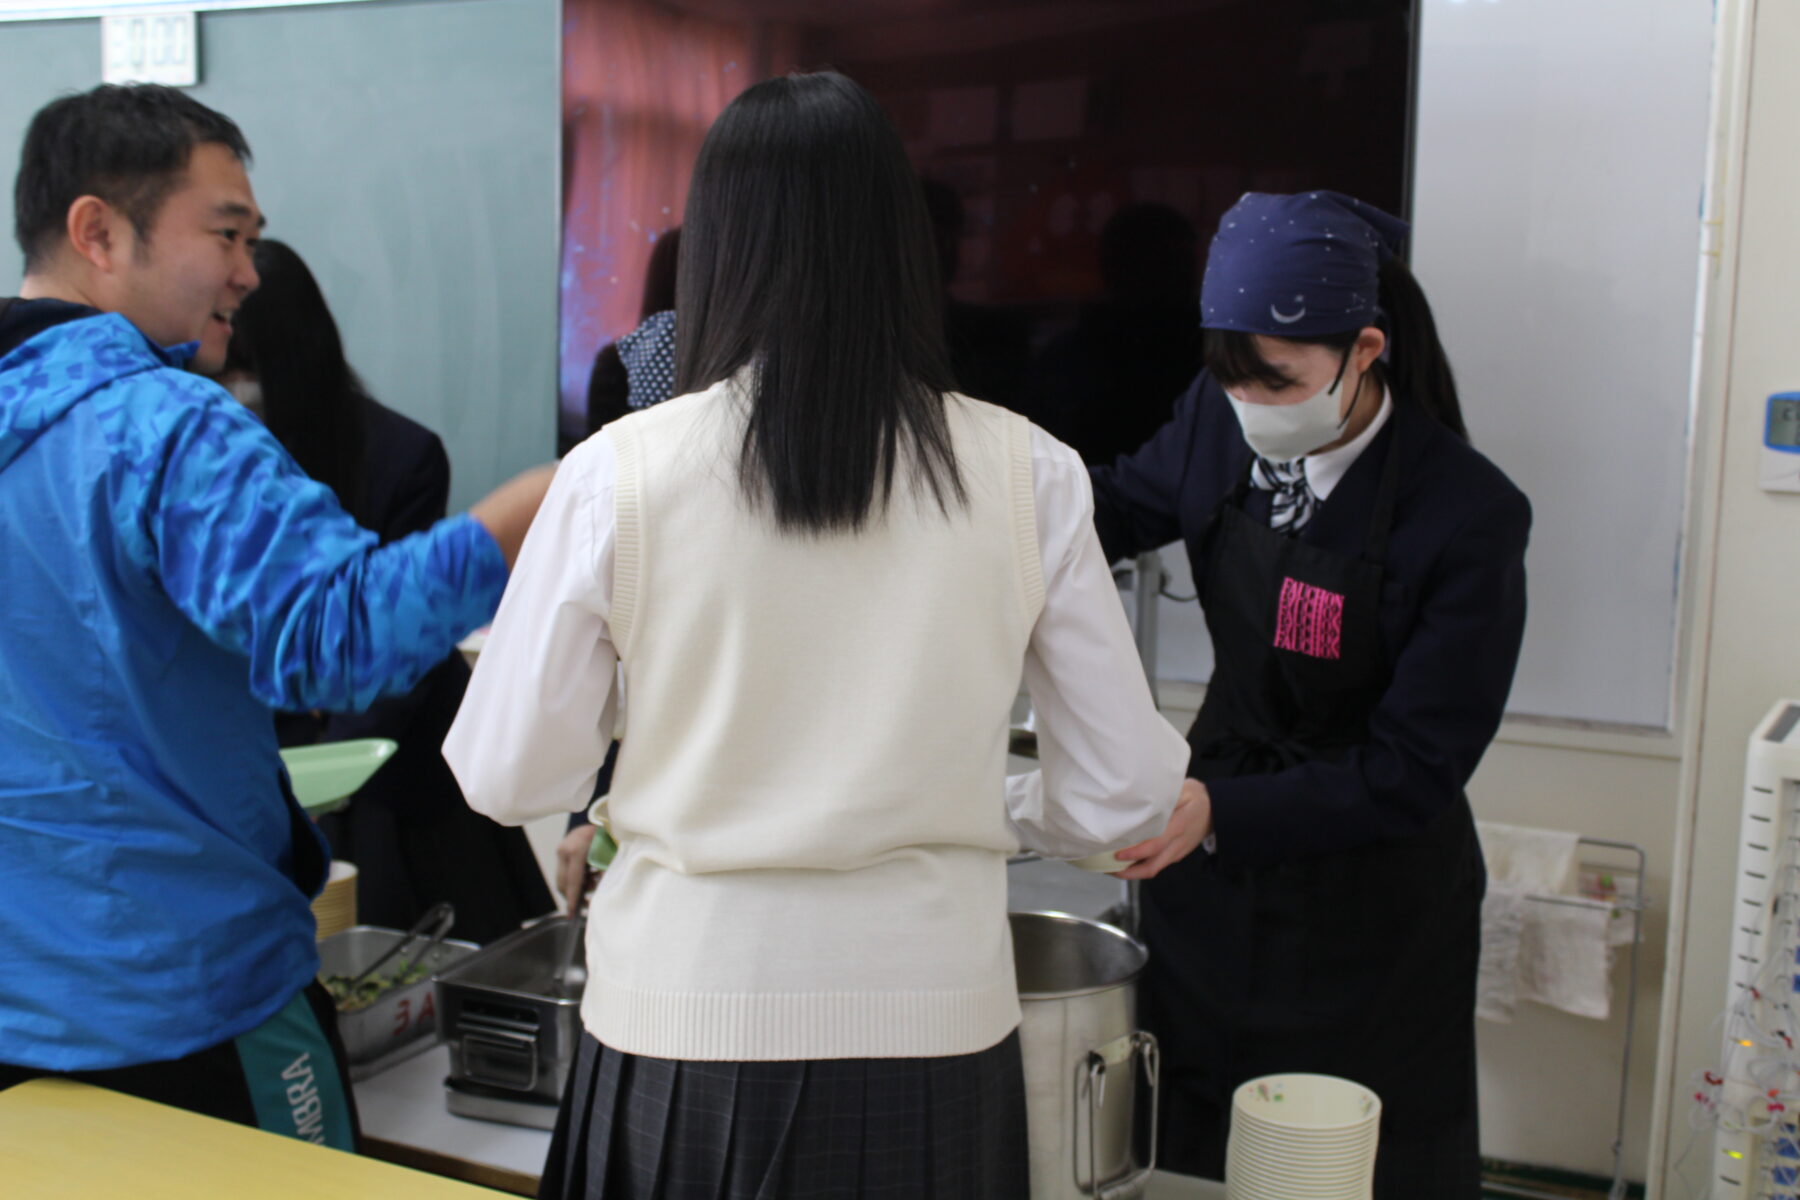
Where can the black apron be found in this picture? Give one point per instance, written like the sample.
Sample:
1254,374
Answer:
1359,963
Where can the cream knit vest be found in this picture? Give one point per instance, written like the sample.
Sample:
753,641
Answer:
809,794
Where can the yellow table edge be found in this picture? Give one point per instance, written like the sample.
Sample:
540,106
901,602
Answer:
67,1139
434,1162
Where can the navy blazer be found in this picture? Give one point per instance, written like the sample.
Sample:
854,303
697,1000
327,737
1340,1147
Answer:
1452,619
406,488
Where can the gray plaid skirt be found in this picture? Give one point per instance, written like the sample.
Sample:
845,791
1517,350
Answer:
635,1128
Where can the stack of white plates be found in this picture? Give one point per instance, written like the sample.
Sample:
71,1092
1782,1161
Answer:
1302,1137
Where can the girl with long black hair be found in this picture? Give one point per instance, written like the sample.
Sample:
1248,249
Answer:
412,838
823,574
1361,568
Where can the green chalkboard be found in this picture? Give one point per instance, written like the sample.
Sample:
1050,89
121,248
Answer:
409,150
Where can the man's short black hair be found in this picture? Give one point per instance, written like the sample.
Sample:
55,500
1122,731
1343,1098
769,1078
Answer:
126,145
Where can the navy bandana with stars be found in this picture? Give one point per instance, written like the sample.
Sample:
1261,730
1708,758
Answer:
1300,266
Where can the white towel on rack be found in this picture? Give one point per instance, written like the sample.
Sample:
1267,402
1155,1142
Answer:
1497,980
1565,955
1540,861
1540,940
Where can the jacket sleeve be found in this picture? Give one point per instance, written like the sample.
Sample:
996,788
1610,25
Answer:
1429,730
418,501
264,561
1137,498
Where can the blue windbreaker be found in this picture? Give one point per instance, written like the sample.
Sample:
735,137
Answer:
167,575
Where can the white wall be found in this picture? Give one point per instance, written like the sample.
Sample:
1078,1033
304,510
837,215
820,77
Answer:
1745,539
1742,579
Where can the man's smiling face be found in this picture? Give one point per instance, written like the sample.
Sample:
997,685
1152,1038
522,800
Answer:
183,280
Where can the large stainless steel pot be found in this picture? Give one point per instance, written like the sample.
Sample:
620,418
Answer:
1082,1051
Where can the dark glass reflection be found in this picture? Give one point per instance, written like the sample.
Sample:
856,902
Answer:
1076,155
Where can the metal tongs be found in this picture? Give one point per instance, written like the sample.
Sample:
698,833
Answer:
438,918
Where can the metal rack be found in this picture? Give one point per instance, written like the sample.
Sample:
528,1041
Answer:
1636,908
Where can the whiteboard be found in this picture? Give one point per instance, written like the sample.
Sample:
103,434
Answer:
409,151
1560,161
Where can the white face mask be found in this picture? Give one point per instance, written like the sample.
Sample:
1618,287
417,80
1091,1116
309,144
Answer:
1284,432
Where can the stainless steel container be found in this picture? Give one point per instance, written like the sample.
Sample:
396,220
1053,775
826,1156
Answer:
1083,1053
403,1020
511,1027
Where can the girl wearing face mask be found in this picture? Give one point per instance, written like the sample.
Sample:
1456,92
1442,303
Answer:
1361,569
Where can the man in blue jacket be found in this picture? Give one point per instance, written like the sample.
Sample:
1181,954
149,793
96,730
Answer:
169,575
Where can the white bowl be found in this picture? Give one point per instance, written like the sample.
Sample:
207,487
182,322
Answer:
1254,1192
1239,1189
1302,1137
1244,1182
1105,863
1300,1129
1310,1103
1293,1161
1305,1162
1292,1142
1305,1172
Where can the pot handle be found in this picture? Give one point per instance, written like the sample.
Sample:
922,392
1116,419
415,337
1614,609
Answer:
500,1058
1090,1088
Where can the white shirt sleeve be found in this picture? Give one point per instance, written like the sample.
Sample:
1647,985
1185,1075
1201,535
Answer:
538,715
1112,765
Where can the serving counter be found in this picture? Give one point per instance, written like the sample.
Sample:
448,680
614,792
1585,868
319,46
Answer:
404,1121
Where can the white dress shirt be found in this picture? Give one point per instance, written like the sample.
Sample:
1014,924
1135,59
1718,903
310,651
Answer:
1326,469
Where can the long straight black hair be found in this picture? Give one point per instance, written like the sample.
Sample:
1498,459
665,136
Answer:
659,275
284,334
806,254
1417,367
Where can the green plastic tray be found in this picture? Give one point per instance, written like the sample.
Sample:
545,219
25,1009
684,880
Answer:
326,776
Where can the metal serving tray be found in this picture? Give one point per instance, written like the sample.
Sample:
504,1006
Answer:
403,1021
512,1031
